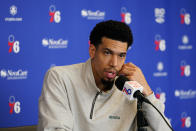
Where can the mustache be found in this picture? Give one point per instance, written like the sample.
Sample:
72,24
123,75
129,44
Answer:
111,70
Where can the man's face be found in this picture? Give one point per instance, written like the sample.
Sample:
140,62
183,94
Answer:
107,59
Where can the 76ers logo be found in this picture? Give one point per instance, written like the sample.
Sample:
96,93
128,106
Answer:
55,16
186,120
14,105
185,17
185,69
126,16
160,95
160,43
14,45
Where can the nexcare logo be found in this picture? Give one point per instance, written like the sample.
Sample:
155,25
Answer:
188,94
13,74
13,11
93,15
125,16
54,44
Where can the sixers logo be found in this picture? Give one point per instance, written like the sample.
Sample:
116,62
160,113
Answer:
14,105
55,16
125,16
185,17
160,43
14,45
127,91
186,120
185,69
160,95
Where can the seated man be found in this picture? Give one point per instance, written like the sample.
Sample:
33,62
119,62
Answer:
83,97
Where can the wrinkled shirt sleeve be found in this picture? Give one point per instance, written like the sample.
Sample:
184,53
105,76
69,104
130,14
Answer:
155,121
54,109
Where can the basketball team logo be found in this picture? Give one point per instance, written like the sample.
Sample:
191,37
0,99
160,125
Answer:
185,69
159,14
160,43
52,65
14,105
186,120
185,17
14,45
160,95
55,15
125,16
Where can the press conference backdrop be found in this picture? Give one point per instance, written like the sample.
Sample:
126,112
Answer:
36,35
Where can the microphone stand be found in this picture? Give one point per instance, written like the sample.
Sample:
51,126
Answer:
141,121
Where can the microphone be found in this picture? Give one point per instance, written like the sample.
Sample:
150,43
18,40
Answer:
130,89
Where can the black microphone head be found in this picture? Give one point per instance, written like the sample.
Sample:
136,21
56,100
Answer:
120,81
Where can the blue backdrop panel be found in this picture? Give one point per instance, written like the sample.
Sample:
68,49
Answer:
36,35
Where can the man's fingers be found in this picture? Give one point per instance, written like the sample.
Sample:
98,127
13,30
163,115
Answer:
130,65
127,72
130,68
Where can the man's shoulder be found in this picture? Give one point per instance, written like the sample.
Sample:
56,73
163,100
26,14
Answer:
67,69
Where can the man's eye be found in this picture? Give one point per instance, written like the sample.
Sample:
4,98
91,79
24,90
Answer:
122,55
107,52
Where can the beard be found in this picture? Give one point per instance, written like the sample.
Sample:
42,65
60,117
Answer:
108,84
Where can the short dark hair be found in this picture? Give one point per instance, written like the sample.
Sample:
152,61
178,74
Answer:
111,29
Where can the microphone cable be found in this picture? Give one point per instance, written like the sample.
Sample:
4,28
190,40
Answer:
161,115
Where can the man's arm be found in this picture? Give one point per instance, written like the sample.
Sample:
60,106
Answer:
134,73
154,119
54,110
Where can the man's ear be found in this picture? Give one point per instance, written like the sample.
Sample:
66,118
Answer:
92,50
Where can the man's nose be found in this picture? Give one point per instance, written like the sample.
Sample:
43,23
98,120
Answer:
114,61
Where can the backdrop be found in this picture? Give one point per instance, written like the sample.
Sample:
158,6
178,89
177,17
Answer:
36,35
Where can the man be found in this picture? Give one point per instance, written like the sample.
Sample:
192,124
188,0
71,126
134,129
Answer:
83,97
